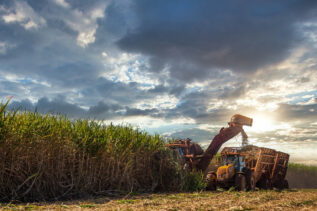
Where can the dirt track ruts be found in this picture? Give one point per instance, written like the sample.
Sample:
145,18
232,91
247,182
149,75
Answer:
221,200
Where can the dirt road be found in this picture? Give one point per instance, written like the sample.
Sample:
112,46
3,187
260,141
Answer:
221,200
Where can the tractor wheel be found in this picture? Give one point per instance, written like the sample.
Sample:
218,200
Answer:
251,182
281,184
265,184
211,181
285,184
240,182
250,179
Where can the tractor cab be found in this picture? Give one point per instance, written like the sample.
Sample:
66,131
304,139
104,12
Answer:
234,159
232,163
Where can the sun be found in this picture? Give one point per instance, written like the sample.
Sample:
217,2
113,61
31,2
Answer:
262,123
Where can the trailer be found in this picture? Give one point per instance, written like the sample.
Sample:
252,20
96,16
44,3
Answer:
248,167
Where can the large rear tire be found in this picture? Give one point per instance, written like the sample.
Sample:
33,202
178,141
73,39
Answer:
285,184
265,184
240,182
282,184
249,174
251,182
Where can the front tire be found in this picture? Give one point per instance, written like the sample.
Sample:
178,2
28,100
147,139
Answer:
240,182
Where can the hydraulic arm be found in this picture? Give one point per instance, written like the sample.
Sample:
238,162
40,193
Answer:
235,127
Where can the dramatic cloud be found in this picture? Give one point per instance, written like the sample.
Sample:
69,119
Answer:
85,22
189,38
299,112
23,14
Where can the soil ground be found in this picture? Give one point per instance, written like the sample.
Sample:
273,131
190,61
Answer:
305,199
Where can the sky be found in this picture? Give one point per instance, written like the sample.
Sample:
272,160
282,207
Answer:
178,68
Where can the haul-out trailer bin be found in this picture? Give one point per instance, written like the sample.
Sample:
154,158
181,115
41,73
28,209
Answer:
250,167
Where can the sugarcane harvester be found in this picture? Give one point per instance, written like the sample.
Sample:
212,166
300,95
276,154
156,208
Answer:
244,169
196,158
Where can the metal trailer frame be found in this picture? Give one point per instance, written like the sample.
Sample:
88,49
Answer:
269,166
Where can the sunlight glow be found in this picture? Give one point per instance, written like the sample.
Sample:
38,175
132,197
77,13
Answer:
262,124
